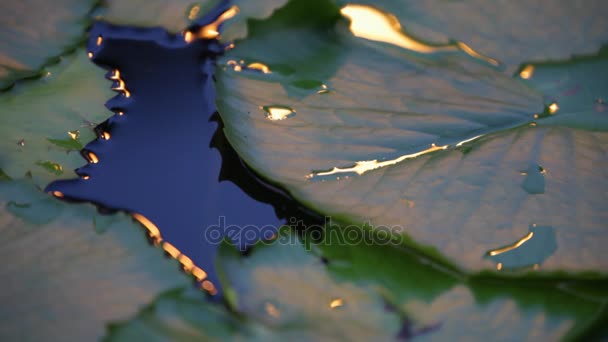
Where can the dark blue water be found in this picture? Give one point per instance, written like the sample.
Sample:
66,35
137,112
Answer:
163,154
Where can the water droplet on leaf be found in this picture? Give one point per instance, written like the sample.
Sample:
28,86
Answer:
278,112
534,183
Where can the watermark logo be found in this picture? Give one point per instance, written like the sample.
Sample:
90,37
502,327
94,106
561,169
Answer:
327,233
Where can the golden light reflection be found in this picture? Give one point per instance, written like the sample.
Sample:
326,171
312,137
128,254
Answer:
278,112
93,159
369,165
152,229
198,273
272,310
374,24
499,266
240,66
527,72
194,12
553,108
187,264
74,134
57,194
188,36
121,87
209,287
469,51
511,247
85,177
211,31
336,303
115,75
171,250
323,90
105,136
469,140
260,67
99,40
90,54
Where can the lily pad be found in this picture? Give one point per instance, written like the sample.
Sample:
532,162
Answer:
180,315
430,145
448,305
278,292
282,291
170,14
64,281
33,32
289,290
510,31
576,89
38,120
175,16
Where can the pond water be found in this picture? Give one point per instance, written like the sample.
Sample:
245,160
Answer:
163,155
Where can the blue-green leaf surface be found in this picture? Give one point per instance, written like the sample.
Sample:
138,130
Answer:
45,120
33,32
440,147
62,279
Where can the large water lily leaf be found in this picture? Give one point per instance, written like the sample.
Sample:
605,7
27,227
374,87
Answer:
440,147
447,304
282,291
289,291
458,312
510,31
170,14
43,124
63,279
32,32
181,315
177,15
577,87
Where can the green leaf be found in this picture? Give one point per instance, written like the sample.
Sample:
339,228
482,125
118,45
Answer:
463,308
251,11
33,32
37,118
63,281
289,291
67,144
51,167
513,31
403,274
177,15
173,15
180,315
279,292
578,87
439,147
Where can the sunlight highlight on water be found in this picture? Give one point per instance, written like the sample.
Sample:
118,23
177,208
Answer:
278,112
211,31
374,24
